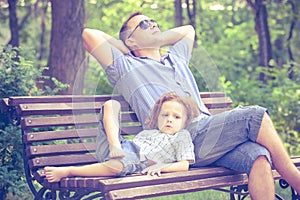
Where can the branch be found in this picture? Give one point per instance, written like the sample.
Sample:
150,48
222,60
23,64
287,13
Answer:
252,5
292,26
25,18
294,20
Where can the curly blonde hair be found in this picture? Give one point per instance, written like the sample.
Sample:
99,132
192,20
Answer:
189,104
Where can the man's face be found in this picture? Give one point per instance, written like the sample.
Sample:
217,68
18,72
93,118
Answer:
172,117
143,37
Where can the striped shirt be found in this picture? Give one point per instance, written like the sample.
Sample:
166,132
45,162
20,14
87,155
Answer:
142,80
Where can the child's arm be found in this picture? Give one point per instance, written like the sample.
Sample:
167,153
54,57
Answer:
182,165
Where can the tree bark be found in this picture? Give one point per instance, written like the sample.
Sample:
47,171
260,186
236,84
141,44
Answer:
295,10
178,13
42,51
262,30
191,11
13,23
67,53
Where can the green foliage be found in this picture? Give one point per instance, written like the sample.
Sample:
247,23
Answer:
18,77
281,95
109,15
11,170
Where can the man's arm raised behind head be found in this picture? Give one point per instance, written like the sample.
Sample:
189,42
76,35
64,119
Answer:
172,36
99,44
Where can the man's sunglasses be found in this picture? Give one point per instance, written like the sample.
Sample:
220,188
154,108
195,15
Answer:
144,25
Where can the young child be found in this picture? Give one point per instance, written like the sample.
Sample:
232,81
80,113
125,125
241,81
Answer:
165,147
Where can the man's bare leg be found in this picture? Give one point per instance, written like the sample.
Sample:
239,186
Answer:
269,138
261,183
111,125
109,168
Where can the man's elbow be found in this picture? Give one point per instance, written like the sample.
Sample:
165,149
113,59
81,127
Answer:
86,36
190,29
86,33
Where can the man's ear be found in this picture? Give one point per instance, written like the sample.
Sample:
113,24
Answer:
130,42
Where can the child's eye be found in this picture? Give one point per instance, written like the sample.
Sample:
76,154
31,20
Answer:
177,117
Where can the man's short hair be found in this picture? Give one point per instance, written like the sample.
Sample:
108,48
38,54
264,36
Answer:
124,29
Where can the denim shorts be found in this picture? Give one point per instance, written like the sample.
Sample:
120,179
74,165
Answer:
228,139
131,162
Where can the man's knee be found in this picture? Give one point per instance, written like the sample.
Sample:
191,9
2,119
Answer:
261,166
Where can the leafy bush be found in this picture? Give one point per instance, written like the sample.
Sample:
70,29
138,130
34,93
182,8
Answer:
18,77
281,95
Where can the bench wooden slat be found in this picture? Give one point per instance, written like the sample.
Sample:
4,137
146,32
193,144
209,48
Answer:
141,180
212,94
70,120
148,180
92,107
215,111
63,108
59,108
45,136
59,135
177,187
58,149
15,101
222,102
62,160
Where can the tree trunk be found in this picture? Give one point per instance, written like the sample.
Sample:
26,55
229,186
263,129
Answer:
43,12
178,13
13,23
295,9
262,30
191,11
66,46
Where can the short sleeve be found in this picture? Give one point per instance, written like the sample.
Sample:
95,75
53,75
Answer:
185,147
182,51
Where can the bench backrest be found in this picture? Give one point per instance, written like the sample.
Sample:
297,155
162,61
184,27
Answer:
61,130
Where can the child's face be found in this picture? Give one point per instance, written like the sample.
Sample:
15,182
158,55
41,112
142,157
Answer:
172,117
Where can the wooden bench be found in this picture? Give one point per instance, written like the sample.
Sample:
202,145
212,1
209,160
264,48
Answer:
61,130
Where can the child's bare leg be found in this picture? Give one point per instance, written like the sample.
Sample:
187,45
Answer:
116,151
111,125
109,168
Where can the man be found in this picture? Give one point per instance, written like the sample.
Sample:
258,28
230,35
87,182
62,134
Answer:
243,139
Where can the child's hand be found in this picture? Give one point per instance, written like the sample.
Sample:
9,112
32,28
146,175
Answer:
155,169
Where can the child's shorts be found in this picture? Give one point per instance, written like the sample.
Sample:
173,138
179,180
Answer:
132,162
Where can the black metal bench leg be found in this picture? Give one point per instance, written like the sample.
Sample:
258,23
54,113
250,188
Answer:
284,185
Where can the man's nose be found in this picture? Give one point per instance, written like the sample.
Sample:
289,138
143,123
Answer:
153,24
